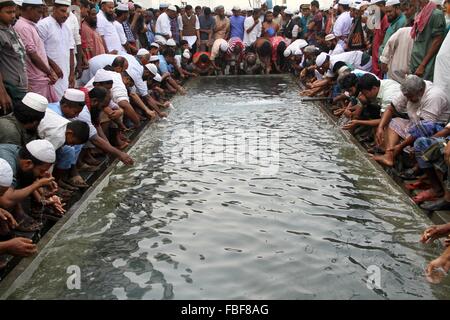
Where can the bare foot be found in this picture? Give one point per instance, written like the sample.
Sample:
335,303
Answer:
385,160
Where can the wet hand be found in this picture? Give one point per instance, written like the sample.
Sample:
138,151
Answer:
126,159
437,269
44,182
351,125
379,136
21,247
8,218
434,232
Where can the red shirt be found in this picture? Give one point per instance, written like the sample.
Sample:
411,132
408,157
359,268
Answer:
377,41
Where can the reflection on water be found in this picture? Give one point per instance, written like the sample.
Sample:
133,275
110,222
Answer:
171,229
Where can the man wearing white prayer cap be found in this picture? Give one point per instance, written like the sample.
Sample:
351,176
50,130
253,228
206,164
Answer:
154,49
159,39
154,59
6,175
171,43
343,24
321,58
20,126
187,54
33,160
163,26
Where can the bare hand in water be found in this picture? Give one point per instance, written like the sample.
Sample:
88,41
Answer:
435,232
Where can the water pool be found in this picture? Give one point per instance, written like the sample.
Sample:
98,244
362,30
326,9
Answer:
243,193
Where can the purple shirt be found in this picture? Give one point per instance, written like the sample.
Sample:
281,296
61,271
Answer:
237,27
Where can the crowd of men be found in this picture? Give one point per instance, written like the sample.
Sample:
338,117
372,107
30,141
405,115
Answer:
76,75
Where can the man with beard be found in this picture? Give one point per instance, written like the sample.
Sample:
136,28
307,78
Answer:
107,30
59,45
20,127
41,77
396,19
222,25
91,41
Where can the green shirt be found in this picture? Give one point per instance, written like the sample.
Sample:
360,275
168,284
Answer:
435,27
393,27
12,58
10,153
13,132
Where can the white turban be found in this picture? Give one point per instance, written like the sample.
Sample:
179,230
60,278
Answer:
6,173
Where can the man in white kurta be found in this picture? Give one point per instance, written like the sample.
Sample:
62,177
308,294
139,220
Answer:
59,43
343,24
163,27
255,33
106,28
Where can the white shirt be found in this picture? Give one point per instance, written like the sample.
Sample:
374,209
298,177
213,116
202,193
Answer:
74,26
58,41
250,38
350,58
180,22
163,26
432,106
389,89
342,25
85,116
136,71
108,31
215,50
119,91
121,33
294,46
53,128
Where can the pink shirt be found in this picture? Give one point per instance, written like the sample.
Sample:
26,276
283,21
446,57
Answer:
27,31
91,41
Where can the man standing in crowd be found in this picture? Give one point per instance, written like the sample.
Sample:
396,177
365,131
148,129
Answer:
59,45
41,76
91,41
107,30
190,27
13,75
237,24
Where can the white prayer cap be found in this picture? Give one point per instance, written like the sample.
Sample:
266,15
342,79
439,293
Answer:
187,54
103,76
172,8
122,7
163,5
139,4
236,8
6,174
155,45
364,3
63,2
335,6
142,52
33,2
330,37
42,150
35,101
158,77
375,1
75,95
343,69
289,12
154,58
152,68
392,2
302,44
321,59
355,4
104,1
298,52
224,46
161,40
287,52
344,2
171,43
18,2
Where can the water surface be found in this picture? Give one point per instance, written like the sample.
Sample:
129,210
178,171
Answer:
298,214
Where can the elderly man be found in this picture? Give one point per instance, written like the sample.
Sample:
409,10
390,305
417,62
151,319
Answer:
222,24
41,76
426,108
13,75
59,45
428,33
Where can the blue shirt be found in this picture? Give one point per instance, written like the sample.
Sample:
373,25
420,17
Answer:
237,27
164,66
